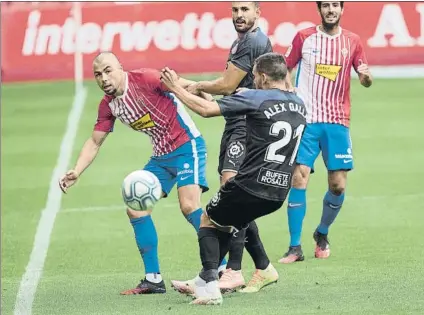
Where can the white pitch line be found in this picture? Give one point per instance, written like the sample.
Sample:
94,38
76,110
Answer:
176,205
34,269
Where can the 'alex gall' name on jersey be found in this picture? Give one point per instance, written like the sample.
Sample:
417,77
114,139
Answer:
273,177
282,107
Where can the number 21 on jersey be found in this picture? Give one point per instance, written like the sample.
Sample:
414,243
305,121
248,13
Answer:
283,126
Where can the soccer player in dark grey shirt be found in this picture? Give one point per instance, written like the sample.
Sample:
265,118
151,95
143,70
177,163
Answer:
250,44
275,120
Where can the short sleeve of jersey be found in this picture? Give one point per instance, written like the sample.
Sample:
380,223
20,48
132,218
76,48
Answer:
105,119
242,58
240,103
150,78
359,56
294,52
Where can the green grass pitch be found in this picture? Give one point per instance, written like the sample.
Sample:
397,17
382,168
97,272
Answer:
377,242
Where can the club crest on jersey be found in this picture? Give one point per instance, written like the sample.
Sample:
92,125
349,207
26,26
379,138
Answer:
215,199
327,71
143,122
344,52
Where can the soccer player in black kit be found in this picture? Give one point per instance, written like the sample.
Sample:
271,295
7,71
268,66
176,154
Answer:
250,44
275,120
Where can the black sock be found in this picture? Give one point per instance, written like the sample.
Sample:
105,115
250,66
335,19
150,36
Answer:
224,243
209,253
255,247
236,250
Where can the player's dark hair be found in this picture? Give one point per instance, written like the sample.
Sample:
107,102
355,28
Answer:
320,2
273,65
257,4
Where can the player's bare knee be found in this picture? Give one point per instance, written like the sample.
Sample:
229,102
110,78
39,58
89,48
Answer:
337,182
132,214
301,176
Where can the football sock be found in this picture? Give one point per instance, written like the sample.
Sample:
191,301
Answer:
224,239
255,247
147,242
209,253
154,277
331,208
296,211
194,219
236,248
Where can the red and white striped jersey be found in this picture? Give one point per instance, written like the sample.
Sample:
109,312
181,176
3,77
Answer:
145,106
323,74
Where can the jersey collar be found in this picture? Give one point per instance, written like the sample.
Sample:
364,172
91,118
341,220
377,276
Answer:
329,36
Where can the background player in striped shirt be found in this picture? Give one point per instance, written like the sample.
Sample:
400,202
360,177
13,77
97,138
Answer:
251,43
140,101
325,55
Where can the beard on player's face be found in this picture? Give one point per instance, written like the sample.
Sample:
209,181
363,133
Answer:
243,25
108,87
330,17
330,21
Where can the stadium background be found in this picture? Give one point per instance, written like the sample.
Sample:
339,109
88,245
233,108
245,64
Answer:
48,112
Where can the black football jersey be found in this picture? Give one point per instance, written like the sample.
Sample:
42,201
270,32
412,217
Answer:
275,121
243,53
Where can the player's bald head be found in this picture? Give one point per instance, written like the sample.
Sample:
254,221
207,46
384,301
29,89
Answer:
106,58
108,73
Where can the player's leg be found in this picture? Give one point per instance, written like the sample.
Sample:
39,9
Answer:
233,152
211,241
308,151
241,209
146,237
265,273
190,164
337,155
191,181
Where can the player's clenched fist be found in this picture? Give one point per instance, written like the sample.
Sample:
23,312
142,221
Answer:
68,180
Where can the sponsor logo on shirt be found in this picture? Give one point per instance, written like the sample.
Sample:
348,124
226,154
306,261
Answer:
327,71
274,178
143,122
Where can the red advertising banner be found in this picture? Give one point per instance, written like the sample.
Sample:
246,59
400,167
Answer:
39,42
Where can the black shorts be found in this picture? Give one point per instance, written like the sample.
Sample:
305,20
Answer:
233,206
232,151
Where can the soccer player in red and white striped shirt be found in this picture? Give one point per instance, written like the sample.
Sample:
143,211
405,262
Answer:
140,101
324,55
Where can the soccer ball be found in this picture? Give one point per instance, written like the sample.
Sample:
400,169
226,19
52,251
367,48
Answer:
141,190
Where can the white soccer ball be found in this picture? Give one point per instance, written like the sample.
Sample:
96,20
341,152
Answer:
141,190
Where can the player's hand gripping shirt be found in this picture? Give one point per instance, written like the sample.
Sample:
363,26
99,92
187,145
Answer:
146,107
324,70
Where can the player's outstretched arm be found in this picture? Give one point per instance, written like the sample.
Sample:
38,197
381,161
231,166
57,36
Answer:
203,107
224,85
87,155
185,83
